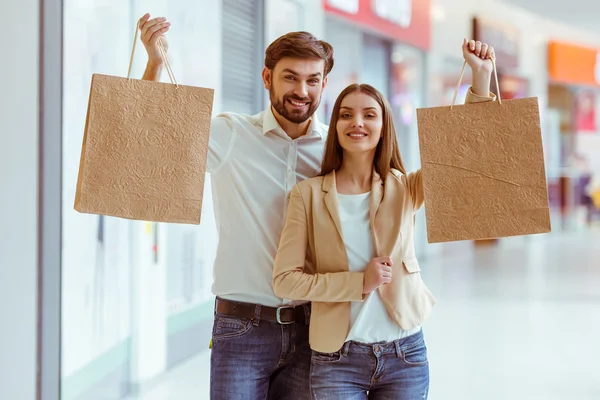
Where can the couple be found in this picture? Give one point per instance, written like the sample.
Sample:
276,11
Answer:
315,236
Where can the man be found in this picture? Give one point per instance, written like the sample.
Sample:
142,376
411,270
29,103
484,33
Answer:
260,342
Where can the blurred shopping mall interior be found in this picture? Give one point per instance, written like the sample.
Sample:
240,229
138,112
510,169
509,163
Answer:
96,307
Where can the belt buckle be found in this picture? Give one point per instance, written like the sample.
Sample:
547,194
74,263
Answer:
278,315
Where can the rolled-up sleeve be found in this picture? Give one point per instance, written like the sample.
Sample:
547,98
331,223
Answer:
474,98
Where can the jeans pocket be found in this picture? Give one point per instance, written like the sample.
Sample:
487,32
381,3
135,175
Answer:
325,358
228,327
415,355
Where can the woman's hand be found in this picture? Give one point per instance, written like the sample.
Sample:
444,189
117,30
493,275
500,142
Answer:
378,272
479,57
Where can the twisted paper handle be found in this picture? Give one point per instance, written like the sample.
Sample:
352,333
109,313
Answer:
163,53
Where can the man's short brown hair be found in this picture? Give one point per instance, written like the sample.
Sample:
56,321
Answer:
299,45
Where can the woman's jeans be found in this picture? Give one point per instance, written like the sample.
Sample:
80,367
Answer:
393,370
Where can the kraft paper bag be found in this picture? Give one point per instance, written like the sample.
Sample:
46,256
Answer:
483,170
144,149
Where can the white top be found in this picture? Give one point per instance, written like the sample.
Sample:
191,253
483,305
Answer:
369,320
254,165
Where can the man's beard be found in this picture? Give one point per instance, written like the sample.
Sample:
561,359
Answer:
295,116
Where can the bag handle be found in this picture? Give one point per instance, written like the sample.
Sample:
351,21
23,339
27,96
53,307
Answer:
461,76
163,53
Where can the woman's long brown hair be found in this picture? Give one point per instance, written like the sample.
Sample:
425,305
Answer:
387,154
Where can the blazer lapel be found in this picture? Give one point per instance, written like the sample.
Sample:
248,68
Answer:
376,196
331,201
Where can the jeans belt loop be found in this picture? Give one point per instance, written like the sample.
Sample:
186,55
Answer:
345,349
257,311
398,349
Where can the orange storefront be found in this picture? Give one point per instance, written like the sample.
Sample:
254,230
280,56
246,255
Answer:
573,93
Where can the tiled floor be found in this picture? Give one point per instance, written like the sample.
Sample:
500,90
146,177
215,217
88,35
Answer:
517,321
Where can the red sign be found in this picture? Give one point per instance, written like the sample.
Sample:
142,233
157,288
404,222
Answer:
406,21
585,111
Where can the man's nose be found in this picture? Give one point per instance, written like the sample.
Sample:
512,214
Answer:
301,90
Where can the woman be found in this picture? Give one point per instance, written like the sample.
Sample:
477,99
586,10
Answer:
348,247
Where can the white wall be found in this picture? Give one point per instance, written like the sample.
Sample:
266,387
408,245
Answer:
95,277
18,200
127,298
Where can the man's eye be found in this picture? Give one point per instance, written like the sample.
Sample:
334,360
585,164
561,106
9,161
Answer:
290,77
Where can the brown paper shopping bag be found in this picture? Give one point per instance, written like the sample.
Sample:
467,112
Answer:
483,169
144,148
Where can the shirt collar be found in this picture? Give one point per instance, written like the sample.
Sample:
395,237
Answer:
270,124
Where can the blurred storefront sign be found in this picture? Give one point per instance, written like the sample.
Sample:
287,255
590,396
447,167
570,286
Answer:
505,39
349,6
407,21
397,11
572,64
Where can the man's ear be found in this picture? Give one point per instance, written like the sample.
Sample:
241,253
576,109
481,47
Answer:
325,80
267,76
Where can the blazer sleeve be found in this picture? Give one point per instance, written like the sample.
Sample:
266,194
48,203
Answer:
415,179
289,279
474,98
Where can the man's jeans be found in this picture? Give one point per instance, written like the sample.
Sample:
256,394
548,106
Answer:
259,360
396,370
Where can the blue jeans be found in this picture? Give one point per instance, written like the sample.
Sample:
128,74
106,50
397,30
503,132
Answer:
259,360
396,370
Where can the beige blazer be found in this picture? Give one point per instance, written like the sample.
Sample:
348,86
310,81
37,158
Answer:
312,264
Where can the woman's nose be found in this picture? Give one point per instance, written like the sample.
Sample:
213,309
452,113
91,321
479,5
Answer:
357,123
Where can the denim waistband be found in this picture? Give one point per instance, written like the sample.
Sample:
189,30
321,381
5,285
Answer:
395,347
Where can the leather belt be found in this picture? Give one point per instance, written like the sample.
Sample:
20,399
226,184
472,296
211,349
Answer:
282,315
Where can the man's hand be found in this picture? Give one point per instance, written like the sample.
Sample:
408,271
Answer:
151,30
378,272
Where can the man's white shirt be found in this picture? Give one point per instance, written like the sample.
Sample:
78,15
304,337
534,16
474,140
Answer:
254,165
